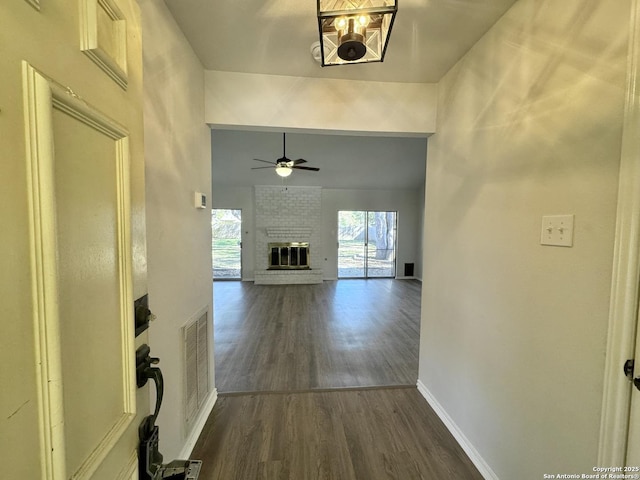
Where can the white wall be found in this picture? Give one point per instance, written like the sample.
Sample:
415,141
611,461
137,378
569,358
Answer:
282,102
514,333
178,162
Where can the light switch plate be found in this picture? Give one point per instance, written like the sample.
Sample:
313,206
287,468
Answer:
557,230
199,200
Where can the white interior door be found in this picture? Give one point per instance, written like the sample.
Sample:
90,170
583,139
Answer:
633,447
620,432
626,327
632,463
71,75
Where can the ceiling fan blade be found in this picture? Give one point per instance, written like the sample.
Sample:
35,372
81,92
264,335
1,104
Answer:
284,161
313,169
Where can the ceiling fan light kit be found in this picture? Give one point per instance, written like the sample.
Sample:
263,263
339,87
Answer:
354,31
284,166
283,171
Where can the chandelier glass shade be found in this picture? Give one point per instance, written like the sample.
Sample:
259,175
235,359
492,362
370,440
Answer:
354,31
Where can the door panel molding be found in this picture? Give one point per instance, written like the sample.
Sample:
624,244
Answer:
41,96
103,37
34,3
623,311
130,471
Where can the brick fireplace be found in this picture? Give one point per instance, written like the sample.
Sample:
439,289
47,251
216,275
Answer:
287,215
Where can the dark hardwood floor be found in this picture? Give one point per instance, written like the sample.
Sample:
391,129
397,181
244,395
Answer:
348,333
366,434
318,382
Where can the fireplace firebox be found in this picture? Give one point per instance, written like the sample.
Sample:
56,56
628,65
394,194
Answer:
289,256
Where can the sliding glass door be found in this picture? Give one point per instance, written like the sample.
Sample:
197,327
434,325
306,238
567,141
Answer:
226,227
352,242
366,244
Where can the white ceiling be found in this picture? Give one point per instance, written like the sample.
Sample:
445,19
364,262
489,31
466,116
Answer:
344,161
275,36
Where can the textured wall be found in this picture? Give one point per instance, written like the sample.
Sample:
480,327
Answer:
514,333
178,162
276,102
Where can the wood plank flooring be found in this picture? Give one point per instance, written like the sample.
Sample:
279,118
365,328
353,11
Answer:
366,434
318,382
344,333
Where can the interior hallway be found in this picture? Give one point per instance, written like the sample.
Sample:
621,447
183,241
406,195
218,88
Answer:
318,381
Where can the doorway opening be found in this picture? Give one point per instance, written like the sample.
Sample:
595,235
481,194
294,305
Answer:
226,227
366,244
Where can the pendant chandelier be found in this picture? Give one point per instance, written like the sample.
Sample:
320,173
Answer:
354,31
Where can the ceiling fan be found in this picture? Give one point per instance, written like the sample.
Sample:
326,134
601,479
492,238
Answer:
283,165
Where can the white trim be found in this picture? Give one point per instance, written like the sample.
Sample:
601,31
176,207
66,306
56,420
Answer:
482,466
623,309
198,425
38,107
41,96
130,470
34,3
115,66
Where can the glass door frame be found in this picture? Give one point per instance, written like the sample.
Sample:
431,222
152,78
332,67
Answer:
240,245
366,269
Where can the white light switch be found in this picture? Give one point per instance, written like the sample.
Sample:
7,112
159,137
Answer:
557,230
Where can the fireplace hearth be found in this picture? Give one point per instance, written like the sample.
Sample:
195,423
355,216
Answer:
289,256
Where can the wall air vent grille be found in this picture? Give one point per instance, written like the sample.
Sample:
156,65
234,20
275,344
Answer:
196,361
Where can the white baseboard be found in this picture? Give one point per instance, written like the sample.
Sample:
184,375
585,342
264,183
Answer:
462,440
191,440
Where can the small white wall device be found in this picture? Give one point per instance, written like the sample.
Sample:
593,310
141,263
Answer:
200,200
557,230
